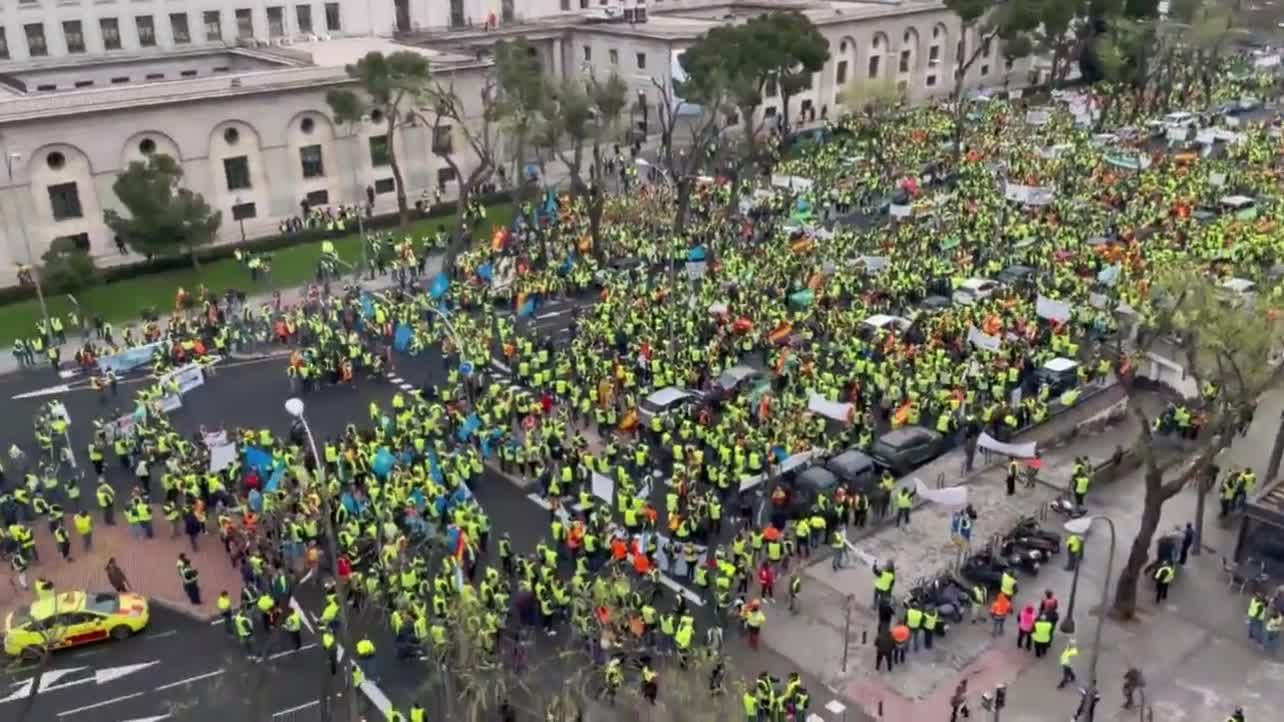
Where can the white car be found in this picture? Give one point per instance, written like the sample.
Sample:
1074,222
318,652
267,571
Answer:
975,289
870,327
664,402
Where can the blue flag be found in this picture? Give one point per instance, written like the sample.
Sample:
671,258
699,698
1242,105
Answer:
486,272
401,341
440,285
471,424
699,253
528,307
383,463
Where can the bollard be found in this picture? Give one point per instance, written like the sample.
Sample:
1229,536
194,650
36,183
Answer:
880,708
847,628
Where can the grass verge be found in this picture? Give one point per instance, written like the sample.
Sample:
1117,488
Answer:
125,300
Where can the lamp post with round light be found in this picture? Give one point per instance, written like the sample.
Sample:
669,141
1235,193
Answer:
1081,526
295,408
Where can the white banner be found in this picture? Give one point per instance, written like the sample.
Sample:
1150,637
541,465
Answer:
1019,451
603,488
188,377
830,409
1058,311
1037,117
171,402
221,457
949,496
899,211
791,182
983,340
1029,195
875,263
215,438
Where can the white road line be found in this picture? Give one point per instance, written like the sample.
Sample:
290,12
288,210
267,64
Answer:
377,697
96,705
162,635
306,705
288,652
218,621
189,680
294,604
679,589
406,387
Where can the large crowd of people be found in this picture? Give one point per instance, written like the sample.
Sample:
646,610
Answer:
788,278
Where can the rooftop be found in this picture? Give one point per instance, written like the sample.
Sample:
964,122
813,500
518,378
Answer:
267,69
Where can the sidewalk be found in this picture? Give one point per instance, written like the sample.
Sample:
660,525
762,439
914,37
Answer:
149,565
1193,650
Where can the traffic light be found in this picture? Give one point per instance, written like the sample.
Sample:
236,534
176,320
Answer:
1000,696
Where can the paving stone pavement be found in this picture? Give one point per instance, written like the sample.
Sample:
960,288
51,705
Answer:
149,565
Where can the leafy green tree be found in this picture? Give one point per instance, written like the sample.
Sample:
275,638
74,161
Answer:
66,268
796,52
1229,344
388,85
521,98
783,46
163,217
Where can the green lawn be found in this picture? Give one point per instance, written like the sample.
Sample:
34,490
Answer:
125,300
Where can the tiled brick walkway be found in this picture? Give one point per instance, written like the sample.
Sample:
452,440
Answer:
150,565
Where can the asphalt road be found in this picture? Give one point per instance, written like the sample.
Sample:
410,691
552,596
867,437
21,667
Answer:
177,669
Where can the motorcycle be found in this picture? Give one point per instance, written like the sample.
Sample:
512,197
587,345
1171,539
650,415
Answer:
1029,527
1067,508
944,594
1026,558
984,569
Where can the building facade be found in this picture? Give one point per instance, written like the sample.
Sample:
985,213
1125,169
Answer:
236,92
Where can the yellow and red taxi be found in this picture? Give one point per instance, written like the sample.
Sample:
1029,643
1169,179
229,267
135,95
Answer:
70,619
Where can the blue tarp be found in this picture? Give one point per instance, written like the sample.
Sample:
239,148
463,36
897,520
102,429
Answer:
401,341
699,253
440,285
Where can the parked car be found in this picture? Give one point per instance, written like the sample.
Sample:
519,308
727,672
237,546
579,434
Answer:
975,289
735,380
1016,275
1060,374
854,468
907,448
664,402
870,327
807,486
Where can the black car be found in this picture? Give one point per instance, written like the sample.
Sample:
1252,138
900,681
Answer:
907,448
853,468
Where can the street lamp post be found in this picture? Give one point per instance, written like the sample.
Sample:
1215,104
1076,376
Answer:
240,217
295,408
1081,526
10,159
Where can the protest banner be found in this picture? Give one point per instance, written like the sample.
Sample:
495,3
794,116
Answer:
1051,309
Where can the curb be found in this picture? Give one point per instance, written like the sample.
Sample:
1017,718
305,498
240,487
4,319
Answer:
184,608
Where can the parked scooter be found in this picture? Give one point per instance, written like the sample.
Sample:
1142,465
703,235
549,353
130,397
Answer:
984,569
1028,526
1067,508
945,594
1026,558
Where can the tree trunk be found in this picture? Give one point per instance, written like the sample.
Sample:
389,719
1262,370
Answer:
684,205
403,212
1126,589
